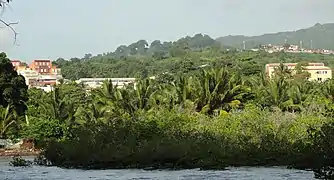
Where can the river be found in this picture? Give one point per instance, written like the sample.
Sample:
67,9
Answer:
53,173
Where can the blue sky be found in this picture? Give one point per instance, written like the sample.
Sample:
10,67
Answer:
71,28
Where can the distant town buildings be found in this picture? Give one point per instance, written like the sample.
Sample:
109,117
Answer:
317,71
43,75
40,73
292,49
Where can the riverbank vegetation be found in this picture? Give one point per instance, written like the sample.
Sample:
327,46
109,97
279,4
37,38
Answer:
225,114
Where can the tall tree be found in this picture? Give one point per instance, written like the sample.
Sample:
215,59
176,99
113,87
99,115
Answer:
13,87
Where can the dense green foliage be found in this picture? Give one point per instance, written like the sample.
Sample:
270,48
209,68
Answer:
321,35
209,119
12,86
226,113
189,117
14,95
206,117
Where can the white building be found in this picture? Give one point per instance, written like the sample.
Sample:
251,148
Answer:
317,71
35,79
97,82
30,76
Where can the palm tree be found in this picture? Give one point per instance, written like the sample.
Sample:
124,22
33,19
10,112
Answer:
107,97
277,93
91,113
185,92
144,94
165,96
7,119
283,71
221,90
300,94
56,106
129,99
258,84
327,90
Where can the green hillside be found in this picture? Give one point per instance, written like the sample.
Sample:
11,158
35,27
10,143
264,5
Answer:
321,35
142,59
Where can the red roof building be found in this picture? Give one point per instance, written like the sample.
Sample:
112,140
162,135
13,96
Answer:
16,63
41,66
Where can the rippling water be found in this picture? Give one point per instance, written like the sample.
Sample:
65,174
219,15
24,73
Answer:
53,173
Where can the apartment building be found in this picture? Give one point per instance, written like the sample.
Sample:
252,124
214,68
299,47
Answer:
39,73
317,71
41,66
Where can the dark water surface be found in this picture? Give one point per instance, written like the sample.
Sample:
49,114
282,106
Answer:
53,173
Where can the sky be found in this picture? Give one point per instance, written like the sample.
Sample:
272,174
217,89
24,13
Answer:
49,29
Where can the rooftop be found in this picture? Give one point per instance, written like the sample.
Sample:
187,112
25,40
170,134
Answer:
294,64
41,60
317,68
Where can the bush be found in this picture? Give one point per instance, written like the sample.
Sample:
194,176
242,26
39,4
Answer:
175,139
43,130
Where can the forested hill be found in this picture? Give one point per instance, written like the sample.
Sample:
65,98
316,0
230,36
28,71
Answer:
161,50
136,59
141,59
321,35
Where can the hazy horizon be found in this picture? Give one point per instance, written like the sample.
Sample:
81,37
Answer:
52,29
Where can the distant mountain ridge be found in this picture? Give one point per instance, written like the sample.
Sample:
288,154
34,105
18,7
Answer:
319,36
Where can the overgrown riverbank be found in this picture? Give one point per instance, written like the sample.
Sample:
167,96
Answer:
179,139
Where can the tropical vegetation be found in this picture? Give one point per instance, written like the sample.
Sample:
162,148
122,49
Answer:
208,107
212,109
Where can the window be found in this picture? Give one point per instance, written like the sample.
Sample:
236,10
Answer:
319,79
324,72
